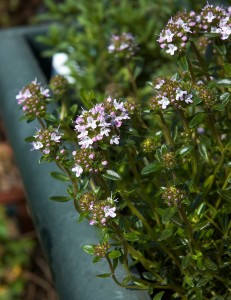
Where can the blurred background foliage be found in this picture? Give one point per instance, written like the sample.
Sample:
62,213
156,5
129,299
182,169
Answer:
18,12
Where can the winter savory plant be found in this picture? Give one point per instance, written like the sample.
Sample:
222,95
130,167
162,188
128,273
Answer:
152,174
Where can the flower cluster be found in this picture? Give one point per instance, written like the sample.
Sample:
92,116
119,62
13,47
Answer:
123,45
59,85
47,141
101,250
179,29
169,160
87,160
173,196
132,106
101,123
173,38
32,99
148,145
215,20
205,95
101,211
169,92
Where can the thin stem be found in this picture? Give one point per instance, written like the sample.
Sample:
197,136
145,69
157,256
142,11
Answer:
200,60
135,211
191,71
132,80
41,123
223,188
74,183
166,130
214,130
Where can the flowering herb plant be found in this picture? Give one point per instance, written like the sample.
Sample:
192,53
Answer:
152,173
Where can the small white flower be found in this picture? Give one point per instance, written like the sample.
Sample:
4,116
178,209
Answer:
210,16
86,142
37,145
168,35
54,137
215,30
225,32
110,211
118,105
115,140
46,151
164,102
91,123
78,170
171,49
188,99
180,94
159,85
45,92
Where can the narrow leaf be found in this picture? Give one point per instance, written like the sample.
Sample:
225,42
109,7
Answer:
158,296
110,174
226,194
60,198
166,233
114,254
186,261
105,275
131,236
183,63
210,265
196,120
185,150
203,151
59,176
168,214
151,168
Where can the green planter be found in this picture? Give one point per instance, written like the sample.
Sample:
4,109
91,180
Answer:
61,237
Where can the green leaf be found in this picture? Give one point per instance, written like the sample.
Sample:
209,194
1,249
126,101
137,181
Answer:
158,296
225,98
126,279
59,176
203,151
210,265
208,180
73,109
166,233
60,198
82,216
227,67
50,117
183,63
151,168
197,120
224,82
114,254
168,214
110,174
201,225
202,282
96,259
88,249
131,237
225,194
218,107
29,139
186,261
105,275
185,150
